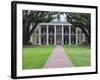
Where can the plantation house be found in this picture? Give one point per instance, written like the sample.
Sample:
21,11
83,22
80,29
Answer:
57,32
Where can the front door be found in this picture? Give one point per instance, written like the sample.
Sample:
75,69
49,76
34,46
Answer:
58,40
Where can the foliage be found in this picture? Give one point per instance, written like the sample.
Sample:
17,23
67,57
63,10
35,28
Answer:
83,21
34,18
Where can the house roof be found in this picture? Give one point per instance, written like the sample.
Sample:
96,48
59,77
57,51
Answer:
61,21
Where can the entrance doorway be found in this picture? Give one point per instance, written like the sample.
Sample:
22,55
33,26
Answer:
58,40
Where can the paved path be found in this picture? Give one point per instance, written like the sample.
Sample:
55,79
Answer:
58,59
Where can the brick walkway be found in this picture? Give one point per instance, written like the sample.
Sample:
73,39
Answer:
58,59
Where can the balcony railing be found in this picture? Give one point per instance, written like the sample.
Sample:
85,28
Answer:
57,32
35,32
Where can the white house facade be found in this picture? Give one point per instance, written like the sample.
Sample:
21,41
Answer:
57,33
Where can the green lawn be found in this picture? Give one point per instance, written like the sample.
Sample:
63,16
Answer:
35,57
79,55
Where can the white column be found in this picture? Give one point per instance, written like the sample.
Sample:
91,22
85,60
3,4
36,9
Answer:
39,35
76,36
69,35
47,35
80,36
31,39
83,37
62,34
55,35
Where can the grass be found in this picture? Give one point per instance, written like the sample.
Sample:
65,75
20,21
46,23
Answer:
35,57
79,55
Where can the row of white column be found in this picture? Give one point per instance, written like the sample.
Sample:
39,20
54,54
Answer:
69,34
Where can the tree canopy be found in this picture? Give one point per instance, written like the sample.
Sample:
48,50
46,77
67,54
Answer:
34,18
83,21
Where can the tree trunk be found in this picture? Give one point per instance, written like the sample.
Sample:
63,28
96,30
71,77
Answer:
26,37
88,38
27,34
88,35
